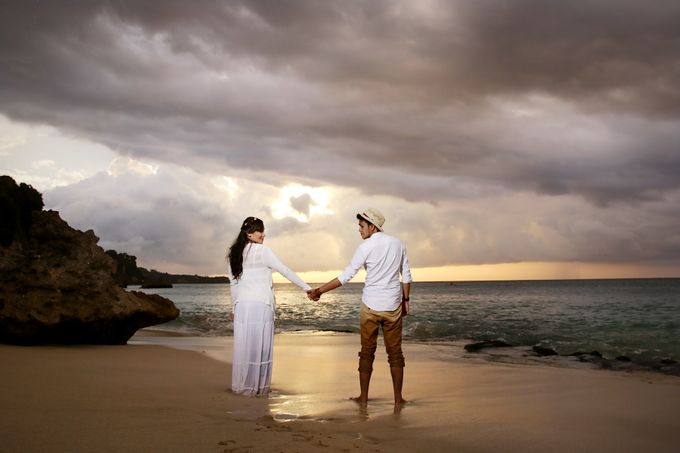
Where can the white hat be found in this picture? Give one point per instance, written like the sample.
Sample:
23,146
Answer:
374,216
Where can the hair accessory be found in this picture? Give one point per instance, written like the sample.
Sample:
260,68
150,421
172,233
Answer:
248,222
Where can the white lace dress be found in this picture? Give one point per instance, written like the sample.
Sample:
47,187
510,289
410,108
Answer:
253,300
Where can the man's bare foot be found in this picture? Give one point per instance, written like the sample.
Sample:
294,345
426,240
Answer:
359,400
400,402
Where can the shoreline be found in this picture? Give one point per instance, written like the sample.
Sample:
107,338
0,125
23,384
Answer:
566,317
519,355
449,353
150,396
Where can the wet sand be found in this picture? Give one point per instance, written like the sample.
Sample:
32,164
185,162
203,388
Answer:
147,396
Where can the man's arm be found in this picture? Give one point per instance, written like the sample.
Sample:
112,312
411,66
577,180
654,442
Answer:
350,271
405,291
405,283
405,268
316,293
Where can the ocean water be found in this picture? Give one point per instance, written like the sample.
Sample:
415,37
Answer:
637,318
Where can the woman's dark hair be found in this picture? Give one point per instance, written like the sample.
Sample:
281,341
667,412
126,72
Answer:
250,225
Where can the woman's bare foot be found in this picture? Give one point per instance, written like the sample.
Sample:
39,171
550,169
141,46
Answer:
400,402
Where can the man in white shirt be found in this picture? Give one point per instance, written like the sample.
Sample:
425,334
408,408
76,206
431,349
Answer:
384,298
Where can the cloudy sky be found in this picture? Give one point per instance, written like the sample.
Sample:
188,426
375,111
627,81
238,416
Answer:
523,139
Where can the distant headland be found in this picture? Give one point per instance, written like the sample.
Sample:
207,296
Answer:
128,273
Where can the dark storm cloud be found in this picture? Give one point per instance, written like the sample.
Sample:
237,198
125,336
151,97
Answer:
607,55
420,100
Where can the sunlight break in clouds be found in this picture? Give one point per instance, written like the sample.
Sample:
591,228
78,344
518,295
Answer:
122,165
301,202
228,185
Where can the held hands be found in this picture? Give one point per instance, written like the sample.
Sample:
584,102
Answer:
314,294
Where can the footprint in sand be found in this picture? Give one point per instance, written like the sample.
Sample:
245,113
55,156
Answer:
269,423
302,436
244,449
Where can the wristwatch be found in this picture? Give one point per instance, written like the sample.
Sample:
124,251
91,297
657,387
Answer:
405,299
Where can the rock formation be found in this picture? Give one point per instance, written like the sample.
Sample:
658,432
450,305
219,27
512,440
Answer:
543,351
475,347
128,273
57,285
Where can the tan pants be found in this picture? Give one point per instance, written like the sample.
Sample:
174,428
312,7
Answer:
371,322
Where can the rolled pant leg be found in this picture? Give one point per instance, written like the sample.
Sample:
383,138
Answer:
369,339
392,327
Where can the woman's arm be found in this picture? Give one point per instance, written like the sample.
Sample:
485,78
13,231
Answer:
272,261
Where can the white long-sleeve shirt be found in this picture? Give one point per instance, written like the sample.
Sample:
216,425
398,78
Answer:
384,258
255,283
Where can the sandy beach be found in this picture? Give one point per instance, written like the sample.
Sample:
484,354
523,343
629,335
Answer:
165,393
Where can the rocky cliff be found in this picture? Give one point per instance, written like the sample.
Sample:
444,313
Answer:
57,285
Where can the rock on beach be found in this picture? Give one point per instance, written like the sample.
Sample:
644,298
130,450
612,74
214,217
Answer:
57,285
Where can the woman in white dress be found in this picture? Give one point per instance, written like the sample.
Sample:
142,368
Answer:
252,296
